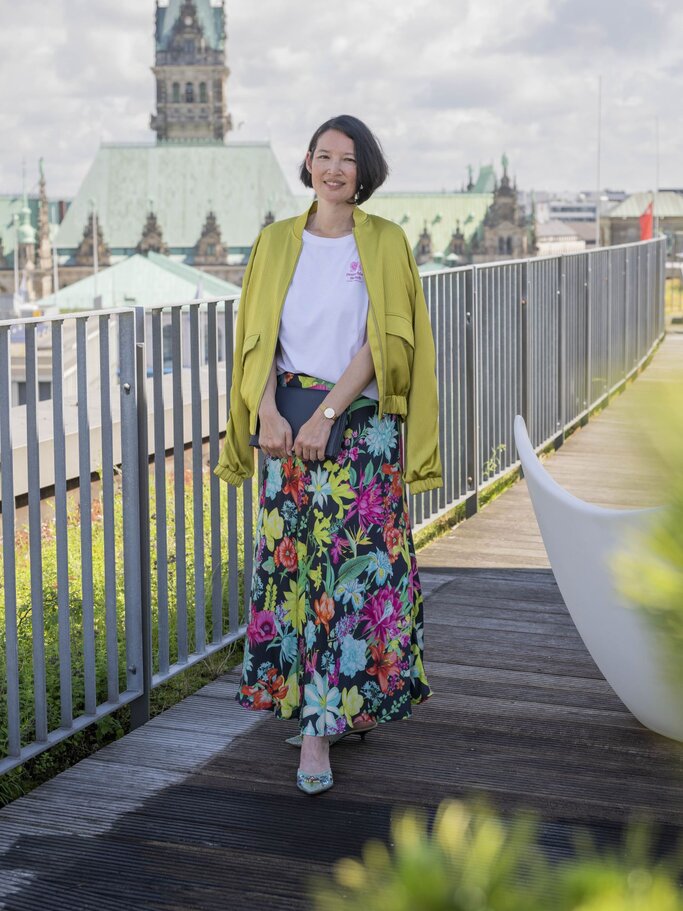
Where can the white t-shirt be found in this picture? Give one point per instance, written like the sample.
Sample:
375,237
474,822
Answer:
325,312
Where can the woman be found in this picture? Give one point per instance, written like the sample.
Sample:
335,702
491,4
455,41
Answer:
332,299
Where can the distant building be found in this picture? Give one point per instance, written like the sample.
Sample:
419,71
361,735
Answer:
571,207
482,223
188,195
507,232
583,229
28,225
201,201
553,238
190,72
623,224
148,280
439,226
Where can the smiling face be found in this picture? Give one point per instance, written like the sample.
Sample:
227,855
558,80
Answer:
332,167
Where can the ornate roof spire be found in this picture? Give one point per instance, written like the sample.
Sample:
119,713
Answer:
44,251
190,71
209,249
152,238
85,252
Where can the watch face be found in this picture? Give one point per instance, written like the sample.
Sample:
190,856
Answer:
329,412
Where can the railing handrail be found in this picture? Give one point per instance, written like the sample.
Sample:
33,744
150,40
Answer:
534,259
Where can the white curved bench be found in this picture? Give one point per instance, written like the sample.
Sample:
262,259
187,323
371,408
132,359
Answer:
580,539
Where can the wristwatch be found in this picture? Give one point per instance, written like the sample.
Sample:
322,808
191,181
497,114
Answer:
329,412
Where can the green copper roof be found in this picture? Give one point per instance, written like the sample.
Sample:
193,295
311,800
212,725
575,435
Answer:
141,280
26,233
667,205
210,286
486,180
440,211
240,182
211,19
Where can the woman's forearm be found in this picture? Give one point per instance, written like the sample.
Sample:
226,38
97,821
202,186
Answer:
267,404
352,381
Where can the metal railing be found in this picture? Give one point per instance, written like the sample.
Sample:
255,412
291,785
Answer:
129,561
548,338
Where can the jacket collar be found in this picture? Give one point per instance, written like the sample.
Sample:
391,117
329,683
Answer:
359,217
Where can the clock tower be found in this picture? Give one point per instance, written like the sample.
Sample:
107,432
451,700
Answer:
190,72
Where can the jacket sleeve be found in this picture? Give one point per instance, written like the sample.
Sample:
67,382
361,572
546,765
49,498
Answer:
423,462
236,461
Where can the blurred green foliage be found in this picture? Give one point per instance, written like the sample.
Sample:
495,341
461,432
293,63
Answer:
649,571
473,861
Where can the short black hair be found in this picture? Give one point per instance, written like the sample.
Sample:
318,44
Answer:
371,165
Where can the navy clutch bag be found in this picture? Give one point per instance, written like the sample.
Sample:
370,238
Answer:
296,405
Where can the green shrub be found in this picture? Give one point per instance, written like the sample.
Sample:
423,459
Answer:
472,861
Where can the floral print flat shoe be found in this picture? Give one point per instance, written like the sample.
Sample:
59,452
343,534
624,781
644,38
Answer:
314,783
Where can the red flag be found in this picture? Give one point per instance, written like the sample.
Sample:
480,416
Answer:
647,223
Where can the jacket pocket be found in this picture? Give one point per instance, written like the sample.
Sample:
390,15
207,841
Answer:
248,386
249,343
400,353
397,324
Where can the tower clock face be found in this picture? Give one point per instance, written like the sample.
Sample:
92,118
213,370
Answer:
188,20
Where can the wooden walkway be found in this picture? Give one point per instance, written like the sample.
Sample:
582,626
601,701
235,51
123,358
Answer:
198,809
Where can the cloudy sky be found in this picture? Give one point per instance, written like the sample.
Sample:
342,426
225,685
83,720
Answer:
443,83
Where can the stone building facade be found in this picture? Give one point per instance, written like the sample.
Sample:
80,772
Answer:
190,73
506,232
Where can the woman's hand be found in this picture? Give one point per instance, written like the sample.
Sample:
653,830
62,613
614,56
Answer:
312,438
275,433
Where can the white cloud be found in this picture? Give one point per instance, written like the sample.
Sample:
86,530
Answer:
443,83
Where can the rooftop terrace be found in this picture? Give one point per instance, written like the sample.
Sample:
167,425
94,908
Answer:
197,807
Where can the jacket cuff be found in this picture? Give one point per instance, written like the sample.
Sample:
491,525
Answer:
230,476
425,484
395,404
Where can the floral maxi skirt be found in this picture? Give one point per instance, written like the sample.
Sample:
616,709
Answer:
335,631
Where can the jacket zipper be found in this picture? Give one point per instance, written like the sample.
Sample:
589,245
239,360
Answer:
279,319
379,336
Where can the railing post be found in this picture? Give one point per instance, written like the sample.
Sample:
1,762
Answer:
561,352
589,332
139,708
624,335
525,386
608,357
130,498
472,392
639,302
9,570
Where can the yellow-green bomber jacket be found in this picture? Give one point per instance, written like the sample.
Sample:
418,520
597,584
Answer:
398,330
